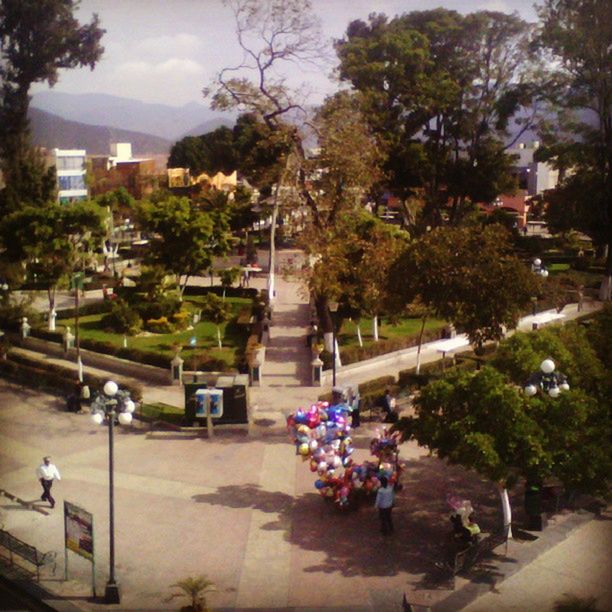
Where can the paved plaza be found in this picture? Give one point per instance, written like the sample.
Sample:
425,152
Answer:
241,509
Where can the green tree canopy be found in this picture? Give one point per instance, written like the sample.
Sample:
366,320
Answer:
211,153
576,35
469,277
485,422
185,238
50,239
440,90
37,39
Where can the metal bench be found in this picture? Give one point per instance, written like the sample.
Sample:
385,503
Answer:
29,553
472,553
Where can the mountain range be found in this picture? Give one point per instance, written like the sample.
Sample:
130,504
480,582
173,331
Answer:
169,122
50,131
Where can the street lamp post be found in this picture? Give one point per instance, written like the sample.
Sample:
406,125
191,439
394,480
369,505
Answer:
552,382
547,380
333,308
538,268
110,404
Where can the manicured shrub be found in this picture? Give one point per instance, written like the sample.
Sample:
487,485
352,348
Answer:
181,319
38,374
377,385
122,319
204,362
238,292
165,306
86,309
159,326
244,316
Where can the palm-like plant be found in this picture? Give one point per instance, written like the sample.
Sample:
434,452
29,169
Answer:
195,588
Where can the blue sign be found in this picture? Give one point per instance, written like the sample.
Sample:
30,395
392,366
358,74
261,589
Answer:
209,402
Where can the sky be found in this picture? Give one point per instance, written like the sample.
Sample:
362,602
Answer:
166,51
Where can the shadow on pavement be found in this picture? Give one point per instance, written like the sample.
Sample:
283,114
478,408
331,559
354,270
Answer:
351,541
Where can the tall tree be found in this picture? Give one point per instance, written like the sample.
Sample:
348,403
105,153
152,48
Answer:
465,276
211,153
351,259
37,39
485,422
577,36
50,240
186,238
273,34
440,91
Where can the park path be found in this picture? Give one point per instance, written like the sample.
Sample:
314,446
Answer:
286,376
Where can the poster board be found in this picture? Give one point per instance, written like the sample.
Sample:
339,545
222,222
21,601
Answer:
78,530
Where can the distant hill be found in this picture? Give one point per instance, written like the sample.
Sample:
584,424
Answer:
168,122
51,131
209,126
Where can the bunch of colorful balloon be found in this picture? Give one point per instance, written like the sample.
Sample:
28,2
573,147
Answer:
385,447
321,435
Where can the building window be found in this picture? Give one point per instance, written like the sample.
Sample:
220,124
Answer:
70,183
70,163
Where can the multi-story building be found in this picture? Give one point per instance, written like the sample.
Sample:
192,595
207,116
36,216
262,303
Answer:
533,176
71,170
121,169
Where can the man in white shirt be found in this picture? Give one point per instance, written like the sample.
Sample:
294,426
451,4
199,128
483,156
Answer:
47,473
385,497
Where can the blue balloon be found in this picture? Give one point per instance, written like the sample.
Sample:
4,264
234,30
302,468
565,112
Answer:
319,484
301,418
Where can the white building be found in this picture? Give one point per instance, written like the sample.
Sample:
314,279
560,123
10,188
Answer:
71,170
536,177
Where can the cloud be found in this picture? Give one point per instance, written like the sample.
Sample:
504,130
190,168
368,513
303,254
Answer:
159,47
175,80
173,66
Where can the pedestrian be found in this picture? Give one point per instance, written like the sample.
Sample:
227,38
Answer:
76,398
388,405
384,502
47,473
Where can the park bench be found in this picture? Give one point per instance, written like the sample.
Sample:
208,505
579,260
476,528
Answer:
472,553
29,553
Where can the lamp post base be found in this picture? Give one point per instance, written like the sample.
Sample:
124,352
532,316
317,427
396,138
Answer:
111,593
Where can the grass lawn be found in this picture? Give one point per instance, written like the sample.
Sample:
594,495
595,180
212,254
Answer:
558,267
204,332
404,327
162,412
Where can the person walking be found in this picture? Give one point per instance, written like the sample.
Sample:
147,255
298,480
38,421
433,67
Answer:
47,473
384,502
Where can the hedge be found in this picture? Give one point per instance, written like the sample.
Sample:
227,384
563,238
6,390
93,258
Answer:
48,376
433,371
85,310
238,292
355,354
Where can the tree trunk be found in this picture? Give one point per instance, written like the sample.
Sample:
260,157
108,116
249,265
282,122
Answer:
418,355
605,289
51,297
359,338
506,509
375,328
219,336
272,254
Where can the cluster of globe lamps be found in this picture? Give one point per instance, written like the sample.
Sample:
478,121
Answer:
112,403
547,380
